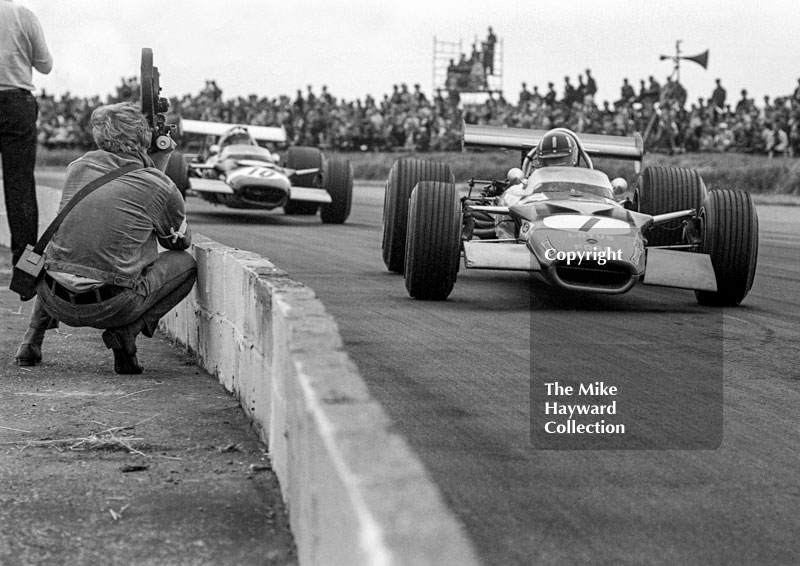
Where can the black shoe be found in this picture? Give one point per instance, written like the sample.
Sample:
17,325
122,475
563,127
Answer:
28,355
126,364
123,344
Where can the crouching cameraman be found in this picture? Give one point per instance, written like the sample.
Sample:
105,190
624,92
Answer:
103,268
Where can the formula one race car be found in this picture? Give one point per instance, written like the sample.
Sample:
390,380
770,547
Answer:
567,223
238,173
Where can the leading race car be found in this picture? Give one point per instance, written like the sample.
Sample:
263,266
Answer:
237,172
559,217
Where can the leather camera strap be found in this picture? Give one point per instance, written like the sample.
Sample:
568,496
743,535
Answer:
79,196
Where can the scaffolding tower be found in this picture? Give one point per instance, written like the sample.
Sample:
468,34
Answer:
446,53
443,53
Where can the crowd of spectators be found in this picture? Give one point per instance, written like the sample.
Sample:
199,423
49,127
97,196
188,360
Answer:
408,119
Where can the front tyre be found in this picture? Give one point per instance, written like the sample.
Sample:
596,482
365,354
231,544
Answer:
403,177
337,179
433,242
298,157
303,158
730,237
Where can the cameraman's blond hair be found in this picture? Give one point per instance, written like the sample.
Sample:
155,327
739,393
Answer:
120,128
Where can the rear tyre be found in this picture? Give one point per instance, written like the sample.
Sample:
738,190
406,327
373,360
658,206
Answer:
403,177
730,237
337,179
304,158
668,189
178,172
433,241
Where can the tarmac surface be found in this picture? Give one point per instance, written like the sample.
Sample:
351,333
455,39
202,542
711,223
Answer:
96,468
455,379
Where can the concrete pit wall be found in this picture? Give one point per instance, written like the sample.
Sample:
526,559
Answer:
356,494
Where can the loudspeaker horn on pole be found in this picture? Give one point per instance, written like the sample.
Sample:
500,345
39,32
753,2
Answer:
701,59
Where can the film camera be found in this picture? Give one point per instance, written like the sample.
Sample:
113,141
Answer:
154,106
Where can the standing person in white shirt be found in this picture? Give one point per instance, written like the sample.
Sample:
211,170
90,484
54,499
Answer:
22,49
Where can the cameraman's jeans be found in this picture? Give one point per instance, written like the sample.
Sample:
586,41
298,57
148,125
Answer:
18,112
162,285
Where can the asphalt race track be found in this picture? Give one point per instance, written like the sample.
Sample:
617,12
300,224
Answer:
456,379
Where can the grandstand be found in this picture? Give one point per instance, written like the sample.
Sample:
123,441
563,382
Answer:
413,120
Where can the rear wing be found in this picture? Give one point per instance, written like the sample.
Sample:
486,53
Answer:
260,133
596,145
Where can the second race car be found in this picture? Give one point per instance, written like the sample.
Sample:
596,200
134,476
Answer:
239,173
566,223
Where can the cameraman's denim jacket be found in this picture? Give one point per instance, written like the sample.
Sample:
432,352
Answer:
112,235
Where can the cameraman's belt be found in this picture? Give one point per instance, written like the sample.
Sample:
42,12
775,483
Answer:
91,297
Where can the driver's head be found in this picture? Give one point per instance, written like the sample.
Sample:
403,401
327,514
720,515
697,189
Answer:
236,136
557,148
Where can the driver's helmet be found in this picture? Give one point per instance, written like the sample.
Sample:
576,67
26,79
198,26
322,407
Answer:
235,137
558,148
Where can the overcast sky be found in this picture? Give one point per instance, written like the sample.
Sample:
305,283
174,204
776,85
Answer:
359,47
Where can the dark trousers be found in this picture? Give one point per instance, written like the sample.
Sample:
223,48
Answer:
163,285
18,112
